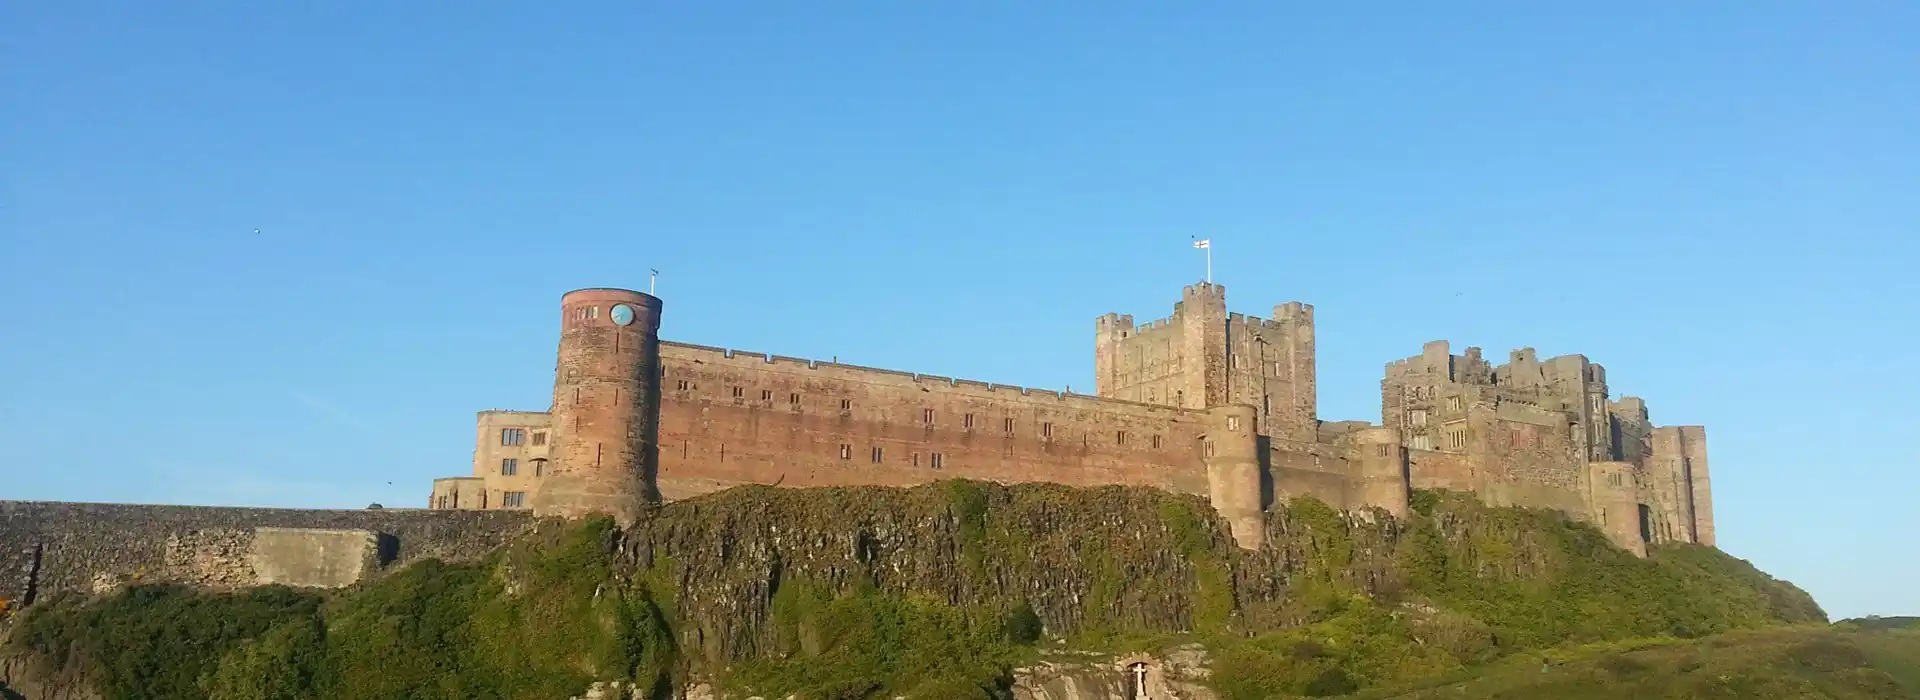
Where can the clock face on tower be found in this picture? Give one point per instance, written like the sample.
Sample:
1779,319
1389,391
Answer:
622,314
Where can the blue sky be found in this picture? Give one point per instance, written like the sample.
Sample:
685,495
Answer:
1717,200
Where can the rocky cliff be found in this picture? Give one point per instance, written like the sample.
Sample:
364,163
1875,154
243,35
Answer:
950,590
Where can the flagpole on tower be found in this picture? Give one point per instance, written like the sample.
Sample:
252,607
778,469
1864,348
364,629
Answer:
1206,244
652,276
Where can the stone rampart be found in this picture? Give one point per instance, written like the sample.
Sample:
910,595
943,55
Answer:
48,548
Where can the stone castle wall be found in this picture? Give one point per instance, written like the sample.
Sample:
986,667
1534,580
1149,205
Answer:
730,417
47,548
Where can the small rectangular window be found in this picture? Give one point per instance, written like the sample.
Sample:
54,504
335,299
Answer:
846,452
1120,437
739,392
1233,422
539,467
1009,426
916,459
539,438
766,395
514,499
793,399
846,404
1382,449
1156,442
684,385
1046,430
509,466
511,437
936,460
876,454
967,421
1208,448
928,415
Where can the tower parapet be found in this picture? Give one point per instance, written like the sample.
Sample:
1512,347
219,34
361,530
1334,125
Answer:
606,402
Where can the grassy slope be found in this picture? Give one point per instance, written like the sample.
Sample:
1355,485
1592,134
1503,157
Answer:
1333,605
1802,663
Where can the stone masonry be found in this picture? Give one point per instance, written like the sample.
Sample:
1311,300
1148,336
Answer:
1205,402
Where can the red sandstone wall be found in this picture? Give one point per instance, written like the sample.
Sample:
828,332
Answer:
712,439
1527,457
1428,469
1310,470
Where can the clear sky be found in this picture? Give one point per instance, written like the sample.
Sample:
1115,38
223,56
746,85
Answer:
1718,200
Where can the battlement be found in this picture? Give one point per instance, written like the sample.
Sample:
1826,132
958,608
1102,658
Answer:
1629,406
709,353
1203,290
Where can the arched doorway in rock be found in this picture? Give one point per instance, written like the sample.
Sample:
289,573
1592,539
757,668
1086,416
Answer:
1137,681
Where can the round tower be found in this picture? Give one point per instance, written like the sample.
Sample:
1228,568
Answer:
1232,453
1614,487
606,406
1381,469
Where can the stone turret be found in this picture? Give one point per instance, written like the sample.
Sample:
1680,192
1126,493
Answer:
606,406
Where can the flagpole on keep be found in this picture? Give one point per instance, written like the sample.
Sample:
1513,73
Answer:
1206,244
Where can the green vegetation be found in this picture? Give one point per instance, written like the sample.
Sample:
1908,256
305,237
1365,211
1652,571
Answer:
939,592
535,622
871,645
1804,663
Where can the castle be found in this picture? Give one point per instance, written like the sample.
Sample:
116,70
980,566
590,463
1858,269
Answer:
1204,402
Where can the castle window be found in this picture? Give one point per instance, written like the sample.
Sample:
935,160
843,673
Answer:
1046,430
1457,439
1009,426
593,312
1207,448
793,399
513,499
846,404
739,392
512,437
967,421
1120,437
684,385
876,454
539,438
1417,418
509,466
936,460
846,451
916,459
539,467
766,395
1156,441
927,415
1382,449
1423,442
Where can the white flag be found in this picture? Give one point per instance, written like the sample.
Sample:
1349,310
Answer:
1202,243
